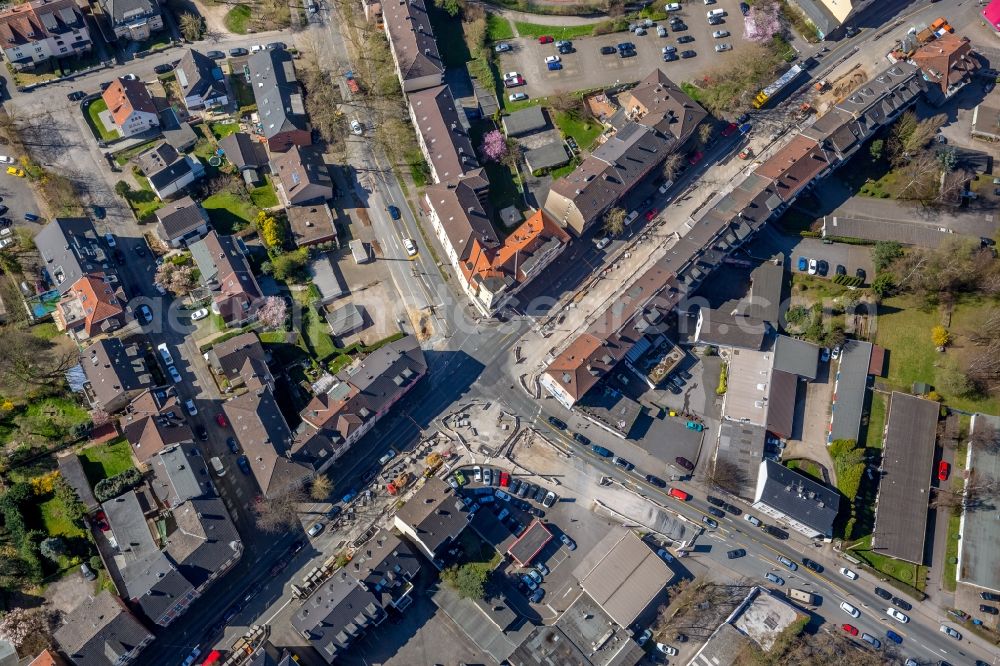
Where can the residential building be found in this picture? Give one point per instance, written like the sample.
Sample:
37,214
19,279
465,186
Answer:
102,631
905,477
181,221
239,359
246,153
131,106
357,596
311,224
580,199
411,39
154,421
443,139
226,273
94,305
265,438
134,20
35,31
47,658
796,500
948,64
116,374
201,80
432,518
280,104
301,177
360,396
168,171
624,576
70,248
659,103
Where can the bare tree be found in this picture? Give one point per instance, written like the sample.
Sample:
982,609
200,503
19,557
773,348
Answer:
614,221
727,475
985,437
672,165
920,177
280,513
29,361
705,131
320,488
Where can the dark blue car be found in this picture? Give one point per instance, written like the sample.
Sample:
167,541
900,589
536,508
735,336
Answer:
555,65
231,443
243,464
394,212
894,637
601,451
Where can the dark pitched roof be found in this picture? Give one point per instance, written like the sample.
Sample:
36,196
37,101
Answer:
225,270
99,631
231,355
303,175
120,9
162,165
340,610
277,92
71,470
114,369
181,217
658,102
243,151
154,421
205,539
70,247
852,380
799,497
904,487
781,403
441,131
719,328
412,39
524,121
198,75
435,513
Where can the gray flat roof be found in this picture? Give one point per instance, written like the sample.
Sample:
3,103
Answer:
852,379
781,403
549,156
907,233
742,445
907,461
796,357
529,119
530,543
977,559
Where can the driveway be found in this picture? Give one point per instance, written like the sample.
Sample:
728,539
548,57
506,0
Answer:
587,68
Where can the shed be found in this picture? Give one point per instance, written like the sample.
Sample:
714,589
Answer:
525,121
346,319
549,156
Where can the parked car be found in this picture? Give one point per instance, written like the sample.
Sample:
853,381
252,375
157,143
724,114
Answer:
655,481
410,247
822,267
792,566
709,521
753,520
684,463
990,610
685,39
718,513
201,433
813,266
897,615
840,270
244,464
951,632
315,529
871,640
844,571
558,423
199,314
608,50
880,592
237,52
550,499
850,628
667,649
623,463
554,66
566,541
87,572
76,95
503,47
688,54
989,596
145,314
601,451
582,439
943,470
777,580
893,636
517,97
216,55
719,34
220,418
175,376
860,274
673,7
552,58
725,46
902,603
537,595
849,609
545,39
163,68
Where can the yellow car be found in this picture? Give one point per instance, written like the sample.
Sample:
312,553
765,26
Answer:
15,171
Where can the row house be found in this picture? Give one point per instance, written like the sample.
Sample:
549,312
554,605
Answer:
33,32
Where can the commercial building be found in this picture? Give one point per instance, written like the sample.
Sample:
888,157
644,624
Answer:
796,500
904,488
979,529
131,106
280,104
432,518
34,32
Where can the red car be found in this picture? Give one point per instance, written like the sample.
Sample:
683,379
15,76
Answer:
680,494
696,157
943,469
651,213
545,39
220,418
504,480
730,128
851,629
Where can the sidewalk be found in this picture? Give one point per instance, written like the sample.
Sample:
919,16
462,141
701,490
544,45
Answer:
541,19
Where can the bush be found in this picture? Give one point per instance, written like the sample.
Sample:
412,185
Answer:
849,479
849,527
95,562
118,484
723,380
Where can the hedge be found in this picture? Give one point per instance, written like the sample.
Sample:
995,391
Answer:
118,484
848,280
723,380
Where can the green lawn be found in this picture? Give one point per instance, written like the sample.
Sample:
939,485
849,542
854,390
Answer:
316,335
809,469
264,196
94,109
584,130
949,574
122,157
241,89
568,32
911,574
228,212
56,520
46,330
42,422
876,422
498,28
103,461
143,201
222,130
157,40
237,19
904,326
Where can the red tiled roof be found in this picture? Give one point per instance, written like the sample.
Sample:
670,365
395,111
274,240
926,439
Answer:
946,61
124,96
99,300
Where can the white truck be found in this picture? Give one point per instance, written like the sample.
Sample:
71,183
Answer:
360,252
803,596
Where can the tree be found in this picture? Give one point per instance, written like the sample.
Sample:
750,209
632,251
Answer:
705,131
290,265
280,513
27,360
950,379
178,280
321,488
567,103
272,230
920,178
672,165
512,159
884,253
835,337
192,27
940,336
948,159
469,579
271,312
727,475
614,221
877,149
123,189
73,509
453,7
884,285
28,629
52,548
494,146
985,437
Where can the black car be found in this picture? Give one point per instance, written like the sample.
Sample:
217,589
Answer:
715,501
883,593
298,545
558,423
655,481
989,596
708,521
812,564
684,462
733,554
5,222
685,39
733,510
860,274
237,52
119,256
334,511
539,494
536,512
627,54
76,95
140,250
626,46
670,57
679,27
822,267
776,532
276,46
582,439
202,433
607,50
688,54
99,212
744,8
983,608
841,270
902,603
105,85
164,68
623,463
718,513
3,209
566,49
216,55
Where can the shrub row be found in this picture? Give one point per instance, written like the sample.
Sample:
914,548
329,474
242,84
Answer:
107,489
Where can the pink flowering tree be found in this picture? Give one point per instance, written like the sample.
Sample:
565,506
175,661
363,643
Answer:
494,146
762,22
272,312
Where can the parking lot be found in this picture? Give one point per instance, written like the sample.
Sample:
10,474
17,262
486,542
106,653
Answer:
588,68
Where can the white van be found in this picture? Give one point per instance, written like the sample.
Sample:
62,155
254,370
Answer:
220,471
165,353
715,13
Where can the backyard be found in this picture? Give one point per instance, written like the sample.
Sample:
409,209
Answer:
94,111
238,19
584,129
42,422
143,201
876,422
102,461
228,212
